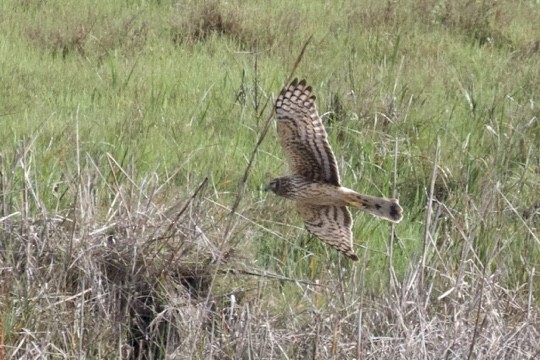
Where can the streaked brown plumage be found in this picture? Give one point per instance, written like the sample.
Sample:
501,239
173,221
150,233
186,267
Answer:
314,183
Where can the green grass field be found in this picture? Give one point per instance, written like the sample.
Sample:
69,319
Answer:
128,230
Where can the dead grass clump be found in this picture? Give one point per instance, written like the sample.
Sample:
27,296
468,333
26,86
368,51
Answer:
198,22
375,16
481,21
528,50
90,35
128,34
71,39
110,278
201,21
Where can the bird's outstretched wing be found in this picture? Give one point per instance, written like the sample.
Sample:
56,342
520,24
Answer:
303,136
332,224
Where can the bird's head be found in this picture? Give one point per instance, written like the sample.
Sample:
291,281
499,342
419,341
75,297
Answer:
274,186
285,186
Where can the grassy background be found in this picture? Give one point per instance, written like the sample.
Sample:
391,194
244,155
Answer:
113,244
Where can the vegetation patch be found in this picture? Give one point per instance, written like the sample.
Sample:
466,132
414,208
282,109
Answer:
128,230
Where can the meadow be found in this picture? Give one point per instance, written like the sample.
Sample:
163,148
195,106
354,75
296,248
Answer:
134,151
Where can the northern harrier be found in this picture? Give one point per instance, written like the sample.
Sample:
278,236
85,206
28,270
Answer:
314,182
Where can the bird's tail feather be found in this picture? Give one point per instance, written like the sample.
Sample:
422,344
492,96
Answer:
388,209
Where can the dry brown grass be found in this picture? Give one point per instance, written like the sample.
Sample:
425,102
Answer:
90,35
193,23
138,276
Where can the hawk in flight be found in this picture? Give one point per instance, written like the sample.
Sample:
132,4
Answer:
314,182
